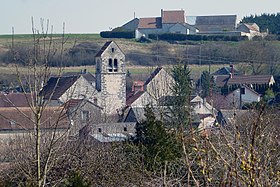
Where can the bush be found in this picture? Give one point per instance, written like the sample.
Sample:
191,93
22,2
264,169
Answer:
182,37
118,34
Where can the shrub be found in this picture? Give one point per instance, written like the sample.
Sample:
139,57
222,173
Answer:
118,34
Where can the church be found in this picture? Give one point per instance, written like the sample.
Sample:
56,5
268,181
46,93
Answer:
107,89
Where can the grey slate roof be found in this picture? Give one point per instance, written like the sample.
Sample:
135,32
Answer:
153,74
216,23
57,86
109,132
249,79
103,48
226,71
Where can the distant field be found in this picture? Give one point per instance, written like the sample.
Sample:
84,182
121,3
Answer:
10,71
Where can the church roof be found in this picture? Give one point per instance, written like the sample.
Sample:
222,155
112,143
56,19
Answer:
103,48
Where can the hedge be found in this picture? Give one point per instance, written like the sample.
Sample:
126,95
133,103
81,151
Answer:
183,37
119,34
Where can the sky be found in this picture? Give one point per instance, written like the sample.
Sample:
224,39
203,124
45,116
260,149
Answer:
93,16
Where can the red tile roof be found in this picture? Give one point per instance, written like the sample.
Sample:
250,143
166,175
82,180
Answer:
173,16
22,118
15,100
150,23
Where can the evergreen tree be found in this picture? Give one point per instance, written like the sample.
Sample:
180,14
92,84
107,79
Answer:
181,110
156,143
207,83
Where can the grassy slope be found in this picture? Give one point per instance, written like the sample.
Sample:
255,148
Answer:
72,39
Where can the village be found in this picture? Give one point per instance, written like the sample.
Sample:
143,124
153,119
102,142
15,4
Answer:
168,128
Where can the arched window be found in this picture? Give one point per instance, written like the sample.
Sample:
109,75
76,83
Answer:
115,65
110,65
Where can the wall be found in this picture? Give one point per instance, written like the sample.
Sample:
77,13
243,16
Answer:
160,85
79,90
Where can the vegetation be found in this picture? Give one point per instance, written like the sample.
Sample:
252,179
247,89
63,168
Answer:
270,22
184,37
117,34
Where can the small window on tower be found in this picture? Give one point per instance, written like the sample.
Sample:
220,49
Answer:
242,90
85,116
113,49
115,65
110,67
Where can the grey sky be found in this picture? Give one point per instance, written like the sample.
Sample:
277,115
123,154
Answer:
93,16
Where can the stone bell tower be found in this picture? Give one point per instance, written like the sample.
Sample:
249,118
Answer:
111,77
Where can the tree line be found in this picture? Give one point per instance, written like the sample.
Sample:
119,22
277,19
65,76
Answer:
265,21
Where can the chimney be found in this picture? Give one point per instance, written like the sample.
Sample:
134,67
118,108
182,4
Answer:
85,71
232,69
230,75
161,13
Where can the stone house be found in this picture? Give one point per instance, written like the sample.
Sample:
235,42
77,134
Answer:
250,30
82,112
159,83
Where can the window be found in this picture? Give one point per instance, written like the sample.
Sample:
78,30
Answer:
110,67
85,116
113,49
125,129
95,100
115,65
242,91
99,130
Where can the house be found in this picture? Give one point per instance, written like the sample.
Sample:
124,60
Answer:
59,90
250,30
228,83
82,112
215,24
159,83
242,95
227,70
16,122
228,118
137,86
235,99
132,25
103,133
170,21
